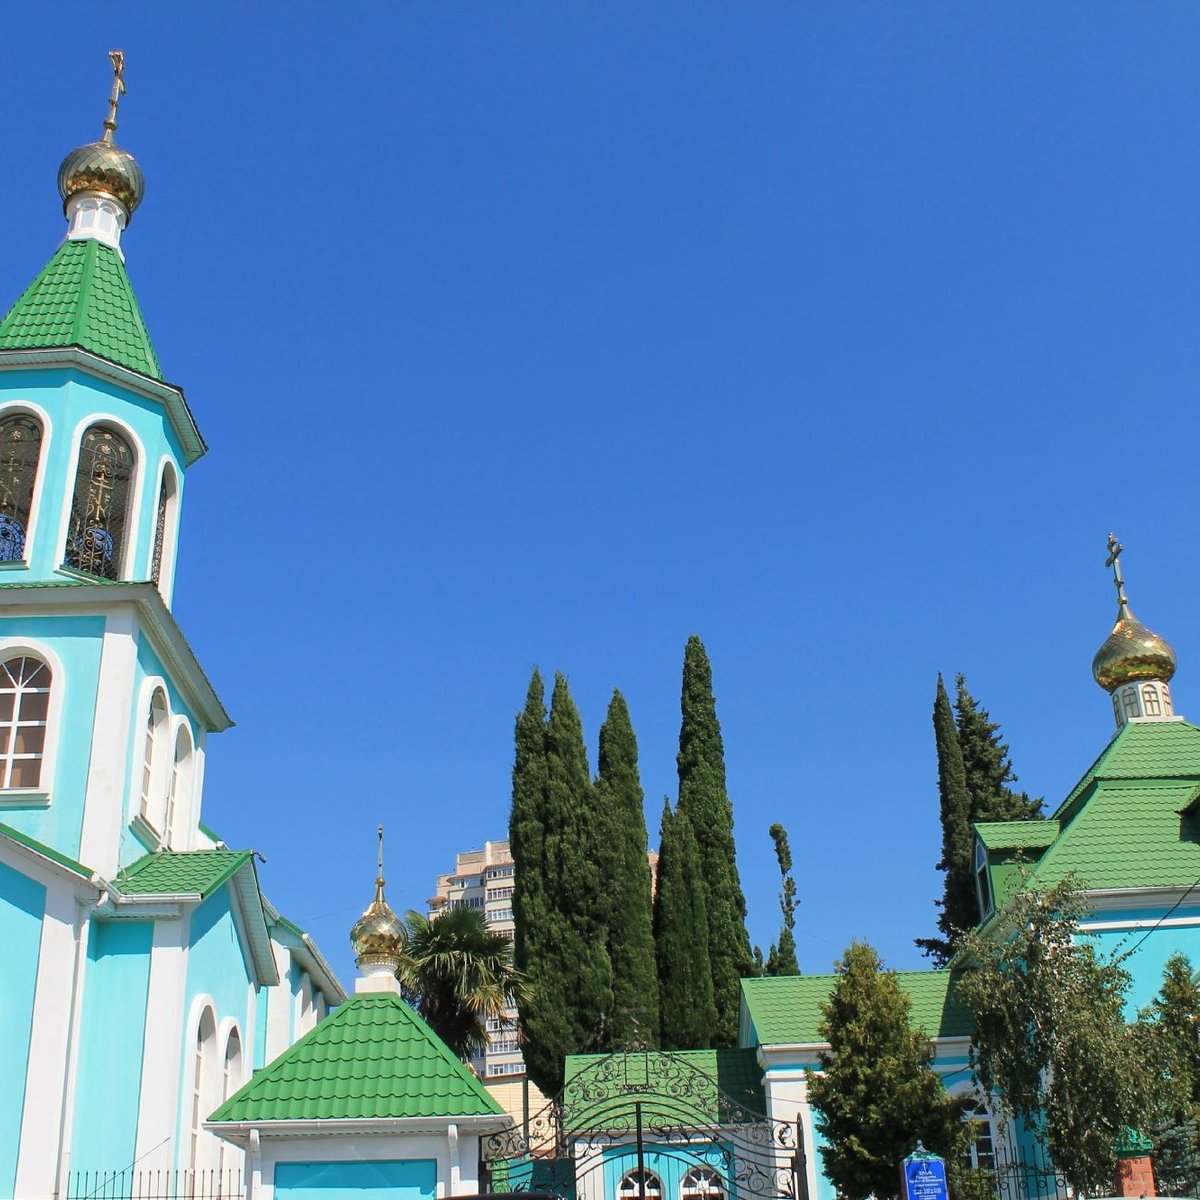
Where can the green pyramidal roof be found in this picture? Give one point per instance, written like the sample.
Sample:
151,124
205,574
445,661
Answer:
82,297
371,1058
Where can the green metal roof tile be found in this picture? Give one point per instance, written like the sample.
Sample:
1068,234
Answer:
372,1057
674,1085
82,297
1017,835
45,851
169,872
787,1009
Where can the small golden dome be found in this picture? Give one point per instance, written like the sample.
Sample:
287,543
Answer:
105,168
378,936
1132,652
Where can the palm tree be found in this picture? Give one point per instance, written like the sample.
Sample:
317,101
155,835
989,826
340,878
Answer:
457,973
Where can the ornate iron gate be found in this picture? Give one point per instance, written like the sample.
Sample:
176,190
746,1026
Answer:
648,1125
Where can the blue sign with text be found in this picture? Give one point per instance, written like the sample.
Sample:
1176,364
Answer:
925,1178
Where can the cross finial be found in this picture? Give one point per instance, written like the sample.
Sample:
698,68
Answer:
380,879
117,58
1115,550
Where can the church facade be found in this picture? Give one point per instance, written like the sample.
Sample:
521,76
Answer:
145,973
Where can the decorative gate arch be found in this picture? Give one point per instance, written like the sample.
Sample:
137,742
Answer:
652,1125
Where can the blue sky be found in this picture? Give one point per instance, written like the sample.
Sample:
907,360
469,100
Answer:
838,334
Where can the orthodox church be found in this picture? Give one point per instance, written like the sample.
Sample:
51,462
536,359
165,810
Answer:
145,973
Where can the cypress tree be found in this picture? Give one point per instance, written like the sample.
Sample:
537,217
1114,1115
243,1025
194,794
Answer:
705,802
543,1010
960,908
986,764
782,958
688,1013
581,960
877,1094
621,819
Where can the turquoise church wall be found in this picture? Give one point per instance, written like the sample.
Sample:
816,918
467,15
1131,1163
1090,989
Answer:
76,640
1146,963
412,1179
22,904
261,1002
111,1044
70,396
670,1165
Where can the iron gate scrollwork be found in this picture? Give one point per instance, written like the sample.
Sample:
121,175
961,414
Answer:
632,1117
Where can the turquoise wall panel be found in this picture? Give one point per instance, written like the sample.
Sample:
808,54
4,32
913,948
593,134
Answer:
1146,963
69,397
22,904
76,640
670,1165
261,1000
411,1179
111,1044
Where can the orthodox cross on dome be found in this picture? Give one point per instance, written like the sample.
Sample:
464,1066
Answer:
379,880
1115,550
117,58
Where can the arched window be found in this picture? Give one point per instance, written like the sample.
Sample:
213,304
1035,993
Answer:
635,1184
100,504
24,707
1150,704
20,447
152,766
702,1183
180,792
231,1080
1130,699
981,1152
164,519
204,1093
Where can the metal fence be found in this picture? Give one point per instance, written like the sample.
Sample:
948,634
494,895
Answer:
155,1185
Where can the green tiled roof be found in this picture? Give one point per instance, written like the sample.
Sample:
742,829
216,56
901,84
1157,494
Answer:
192,872
45,851
372,1058
82,297
787,1009
682,1086
1017,835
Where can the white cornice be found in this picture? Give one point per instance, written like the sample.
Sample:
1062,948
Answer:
167,394
165,634
240,1131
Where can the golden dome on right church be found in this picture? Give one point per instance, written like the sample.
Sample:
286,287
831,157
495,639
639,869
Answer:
1132,652
378,936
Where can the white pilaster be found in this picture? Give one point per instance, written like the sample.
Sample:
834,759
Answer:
159,1099
104,803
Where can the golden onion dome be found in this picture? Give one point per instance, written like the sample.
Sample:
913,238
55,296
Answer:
105,168
378,936
1132,652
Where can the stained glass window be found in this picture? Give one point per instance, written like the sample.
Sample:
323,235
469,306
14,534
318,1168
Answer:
20,446
166,494
24,709
100,505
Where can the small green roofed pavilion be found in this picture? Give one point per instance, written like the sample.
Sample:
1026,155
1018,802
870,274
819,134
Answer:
372,1060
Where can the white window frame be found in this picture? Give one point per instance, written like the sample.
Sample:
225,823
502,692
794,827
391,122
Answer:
40,796
717,1190
177,812
166,570
203,1080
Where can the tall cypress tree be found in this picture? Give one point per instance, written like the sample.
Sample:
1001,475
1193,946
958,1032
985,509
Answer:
960,909
782,958
572,853
705,802
986,764
688,1012
543,1011
621,819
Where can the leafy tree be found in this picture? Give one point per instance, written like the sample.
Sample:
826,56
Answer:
688,1012
986,764
621,819
1050,1035
877,1094
457,973
705,802
782,958
960,909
